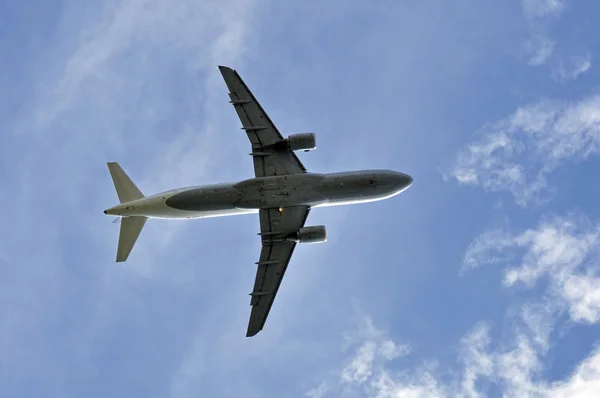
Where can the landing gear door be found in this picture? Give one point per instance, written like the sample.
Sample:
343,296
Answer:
284,191
262,198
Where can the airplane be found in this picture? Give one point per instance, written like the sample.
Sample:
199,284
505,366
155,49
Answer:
283,193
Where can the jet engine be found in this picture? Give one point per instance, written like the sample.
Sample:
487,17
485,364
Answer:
304,141
316,234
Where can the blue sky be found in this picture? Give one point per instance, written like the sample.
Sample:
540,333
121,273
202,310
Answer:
480,280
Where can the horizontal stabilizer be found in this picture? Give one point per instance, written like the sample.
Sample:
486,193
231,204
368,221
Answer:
126,189
130,230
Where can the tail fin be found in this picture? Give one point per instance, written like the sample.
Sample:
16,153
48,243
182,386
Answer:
126,189
130,230
130,226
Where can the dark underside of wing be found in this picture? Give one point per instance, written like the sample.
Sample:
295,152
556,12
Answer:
274,259
272,157
261,131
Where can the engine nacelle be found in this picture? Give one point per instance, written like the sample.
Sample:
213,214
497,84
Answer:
316,234
305,141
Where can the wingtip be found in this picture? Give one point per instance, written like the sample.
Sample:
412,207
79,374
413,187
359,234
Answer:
252,332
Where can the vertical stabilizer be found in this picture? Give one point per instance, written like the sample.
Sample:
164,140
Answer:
130,230
126,189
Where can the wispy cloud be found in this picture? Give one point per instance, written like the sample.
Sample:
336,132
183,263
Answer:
562,249
513,364
543,8
318,392
517,153
539,13
360,367
92,103
573,67
540,49
370,350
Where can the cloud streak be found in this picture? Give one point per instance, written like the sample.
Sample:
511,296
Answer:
535,9
483,365
573,68
517,153
92,103
539,13
563,250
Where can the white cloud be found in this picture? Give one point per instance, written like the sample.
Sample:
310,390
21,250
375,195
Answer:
487,247
100,95
584,382
374,347
543,8
539,12
476,361
361,366
539,319
96,96
562,249
318,392
513,365
390,350
582,292
539,49
573,68
517,153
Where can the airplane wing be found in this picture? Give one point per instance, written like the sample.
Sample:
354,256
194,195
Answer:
274,259
260,130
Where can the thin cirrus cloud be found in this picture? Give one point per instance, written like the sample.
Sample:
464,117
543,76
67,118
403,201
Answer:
540,49
92,103
516,154
572,68
539,13
543,8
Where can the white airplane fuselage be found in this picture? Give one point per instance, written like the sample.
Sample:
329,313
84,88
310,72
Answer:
248,196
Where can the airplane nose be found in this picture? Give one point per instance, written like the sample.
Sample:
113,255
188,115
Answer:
404,180
399,180
393,181
105,212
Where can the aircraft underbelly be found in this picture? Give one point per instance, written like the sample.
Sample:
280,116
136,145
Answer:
217,200
279,191
187,214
